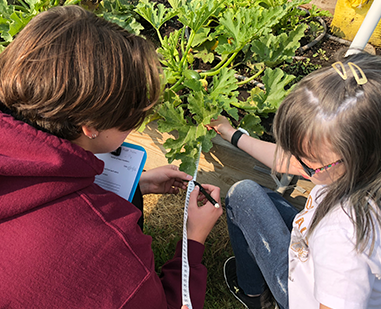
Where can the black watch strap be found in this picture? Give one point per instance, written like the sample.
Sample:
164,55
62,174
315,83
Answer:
235,137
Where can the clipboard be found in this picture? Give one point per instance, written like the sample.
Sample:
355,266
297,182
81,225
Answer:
122,170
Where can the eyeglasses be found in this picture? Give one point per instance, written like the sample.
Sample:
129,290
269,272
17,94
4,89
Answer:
310,171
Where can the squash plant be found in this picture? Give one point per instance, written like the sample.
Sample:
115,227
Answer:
223,34
14,15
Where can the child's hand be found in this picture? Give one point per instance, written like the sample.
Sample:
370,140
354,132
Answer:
223,127
184,307
163,179
202,219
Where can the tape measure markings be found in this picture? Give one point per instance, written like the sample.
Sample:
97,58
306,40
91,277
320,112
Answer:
184,259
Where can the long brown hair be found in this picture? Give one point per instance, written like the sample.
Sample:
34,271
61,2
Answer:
69,68
326,109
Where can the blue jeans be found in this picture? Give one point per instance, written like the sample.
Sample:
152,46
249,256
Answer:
259,222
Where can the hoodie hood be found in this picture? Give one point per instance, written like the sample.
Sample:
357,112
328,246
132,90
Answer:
38,167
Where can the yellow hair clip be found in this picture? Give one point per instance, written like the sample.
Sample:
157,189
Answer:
361,80
342,73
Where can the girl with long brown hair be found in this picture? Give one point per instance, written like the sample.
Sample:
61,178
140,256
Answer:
327,130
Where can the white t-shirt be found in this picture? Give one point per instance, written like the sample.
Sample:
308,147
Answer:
327,269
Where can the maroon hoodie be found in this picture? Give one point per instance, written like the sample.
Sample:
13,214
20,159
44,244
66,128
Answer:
67,243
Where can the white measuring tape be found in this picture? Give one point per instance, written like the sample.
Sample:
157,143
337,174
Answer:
184,258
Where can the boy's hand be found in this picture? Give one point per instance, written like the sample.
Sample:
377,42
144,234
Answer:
163,179
202,219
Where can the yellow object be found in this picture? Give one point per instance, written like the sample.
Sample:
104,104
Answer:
342,72
361,80
348,17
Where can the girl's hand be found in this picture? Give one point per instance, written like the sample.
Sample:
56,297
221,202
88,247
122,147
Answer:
163,179
184,307
223,127
202,219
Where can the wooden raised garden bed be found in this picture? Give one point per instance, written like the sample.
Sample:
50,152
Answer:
222,166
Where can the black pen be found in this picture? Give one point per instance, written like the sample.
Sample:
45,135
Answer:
207,195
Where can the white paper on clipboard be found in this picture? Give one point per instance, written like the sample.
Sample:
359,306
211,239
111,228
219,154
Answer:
122,172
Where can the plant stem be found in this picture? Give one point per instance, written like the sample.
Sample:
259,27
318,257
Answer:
218,68
191,38
24,5
305,19
173,88
160,37
182,41
251,78
218,65
21,8
72,2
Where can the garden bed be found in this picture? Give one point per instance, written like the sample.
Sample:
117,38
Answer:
224,164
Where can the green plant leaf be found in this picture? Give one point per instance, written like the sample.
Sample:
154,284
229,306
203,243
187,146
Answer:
126,21
172,97
201,36
35,6
257,95
174,118
271,3
193,84
316,12
252,124
238,28
188,158
5,9
4,32
186,136
168,51
276,80
273,50
170,76
155,14
205,51
204,55
202,112
264,102
13,18
175,4
195,13
222,92
18,22
223,84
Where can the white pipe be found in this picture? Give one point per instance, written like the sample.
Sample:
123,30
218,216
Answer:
367,27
